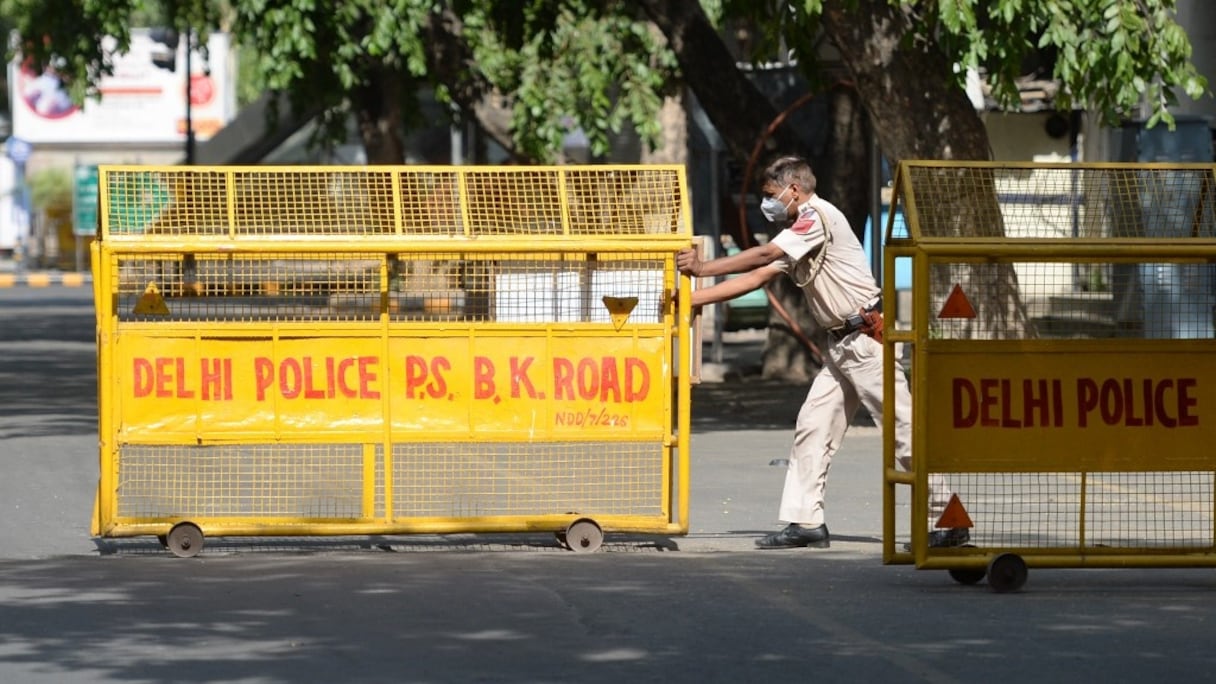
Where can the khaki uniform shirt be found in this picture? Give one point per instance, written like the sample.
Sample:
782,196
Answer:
842,283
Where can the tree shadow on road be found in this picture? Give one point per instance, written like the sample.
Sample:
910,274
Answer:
48,376
746,403
752,403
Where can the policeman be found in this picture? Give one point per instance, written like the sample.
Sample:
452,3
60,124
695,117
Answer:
818,249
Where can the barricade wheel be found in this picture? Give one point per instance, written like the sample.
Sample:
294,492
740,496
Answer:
584,536
163,539
185,540
1007,572
967,575
560,536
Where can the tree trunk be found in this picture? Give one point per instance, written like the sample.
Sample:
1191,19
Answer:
451,63
738,110
920,112
378,113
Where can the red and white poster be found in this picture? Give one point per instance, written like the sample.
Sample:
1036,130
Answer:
140,102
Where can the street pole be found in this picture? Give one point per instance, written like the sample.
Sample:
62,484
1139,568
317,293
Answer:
189,267
189,104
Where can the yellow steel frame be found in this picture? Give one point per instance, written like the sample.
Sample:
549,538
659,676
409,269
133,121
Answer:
924,250
668,336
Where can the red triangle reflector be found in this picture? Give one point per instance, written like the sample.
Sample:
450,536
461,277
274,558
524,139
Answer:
957,305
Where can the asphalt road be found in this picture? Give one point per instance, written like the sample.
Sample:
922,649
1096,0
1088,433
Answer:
515,608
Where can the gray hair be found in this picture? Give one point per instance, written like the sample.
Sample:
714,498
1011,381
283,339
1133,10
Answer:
791,169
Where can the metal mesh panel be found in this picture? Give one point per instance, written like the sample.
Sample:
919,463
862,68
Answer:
248,480
430,203
1149,509
214,202
334,202
504,288
1113,510
378,505
513,203
149,202
264,287
564,288
624,202
486,479
240,201
1028,300
1019,201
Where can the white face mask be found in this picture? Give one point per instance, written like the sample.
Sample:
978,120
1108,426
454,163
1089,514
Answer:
774,209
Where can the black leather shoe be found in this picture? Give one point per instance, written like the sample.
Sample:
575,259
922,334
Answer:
950,537
953,536
794,536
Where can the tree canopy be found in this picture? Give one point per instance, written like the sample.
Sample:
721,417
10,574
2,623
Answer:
533,70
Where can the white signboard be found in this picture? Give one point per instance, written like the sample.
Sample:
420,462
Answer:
14,221
140,102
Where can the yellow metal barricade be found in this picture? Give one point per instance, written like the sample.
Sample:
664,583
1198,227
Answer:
392,350
1062,366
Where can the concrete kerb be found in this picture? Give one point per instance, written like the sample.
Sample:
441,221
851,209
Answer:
12,274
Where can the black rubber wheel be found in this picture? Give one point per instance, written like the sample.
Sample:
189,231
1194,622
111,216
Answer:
967,575
560,536
185,540
584,536
1007,573
163,539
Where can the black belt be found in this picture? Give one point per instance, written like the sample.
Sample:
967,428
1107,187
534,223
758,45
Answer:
854,322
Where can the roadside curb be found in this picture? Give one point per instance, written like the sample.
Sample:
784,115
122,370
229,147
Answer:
45,279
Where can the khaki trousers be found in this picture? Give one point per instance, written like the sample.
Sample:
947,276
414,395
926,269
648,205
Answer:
851,377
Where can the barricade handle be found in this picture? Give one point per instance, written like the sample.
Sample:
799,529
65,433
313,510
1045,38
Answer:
700,243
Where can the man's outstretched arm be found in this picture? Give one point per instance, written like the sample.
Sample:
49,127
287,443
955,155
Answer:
749,259
733,287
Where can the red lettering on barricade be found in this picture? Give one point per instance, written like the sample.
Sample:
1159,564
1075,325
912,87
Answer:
590,419
637,380
1116,402
588,379
418,375
606,379
965,403
1186,402
1049,406
311,391
142,377
171,378
297,378
610,381
367,376
415,375
179,373
1007,419
1167,402
1158,399
988,402
1087,400
216,377
263,374
340,380
483,378
563,379
520,379
289,378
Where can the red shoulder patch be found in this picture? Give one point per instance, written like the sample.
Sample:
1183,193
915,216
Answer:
803,225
